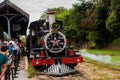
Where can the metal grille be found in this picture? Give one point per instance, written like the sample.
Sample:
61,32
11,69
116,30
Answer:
58,69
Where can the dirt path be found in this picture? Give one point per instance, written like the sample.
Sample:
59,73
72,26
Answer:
95,72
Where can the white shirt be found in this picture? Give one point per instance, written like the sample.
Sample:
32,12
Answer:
15,46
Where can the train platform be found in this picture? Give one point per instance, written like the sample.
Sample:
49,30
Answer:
22,73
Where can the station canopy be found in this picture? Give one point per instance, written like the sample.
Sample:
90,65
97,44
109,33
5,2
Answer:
17,18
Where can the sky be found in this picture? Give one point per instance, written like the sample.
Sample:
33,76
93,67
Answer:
36,7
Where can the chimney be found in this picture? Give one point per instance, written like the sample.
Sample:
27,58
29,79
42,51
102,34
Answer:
51,18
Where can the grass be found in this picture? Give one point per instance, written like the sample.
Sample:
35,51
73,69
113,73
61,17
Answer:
115,55
103,75
102,64
116,60
31,71
103,52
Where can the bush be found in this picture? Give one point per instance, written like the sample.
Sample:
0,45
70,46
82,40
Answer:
31,71
116,41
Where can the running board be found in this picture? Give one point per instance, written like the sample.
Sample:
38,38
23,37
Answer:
58,69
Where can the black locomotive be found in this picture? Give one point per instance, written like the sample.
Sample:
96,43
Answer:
50,49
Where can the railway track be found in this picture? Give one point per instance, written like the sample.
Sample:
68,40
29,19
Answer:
72,76
86,71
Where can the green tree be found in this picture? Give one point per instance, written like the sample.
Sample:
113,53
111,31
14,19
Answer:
102,11
113,22
73,30
59,10
64,16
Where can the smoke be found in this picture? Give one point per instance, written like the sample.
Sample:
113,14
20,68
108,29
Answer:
100,58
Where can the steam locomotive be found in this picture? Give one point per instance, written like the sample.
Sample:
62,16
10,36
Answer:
50,49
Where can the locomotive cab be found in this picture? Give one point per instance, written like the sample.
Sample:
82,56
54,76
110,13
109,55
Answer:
37,30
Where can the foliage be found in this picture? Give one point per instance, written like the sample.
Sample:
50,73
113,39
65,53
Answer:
116,41
64,16
116,8
103,34
78,12
31,71
88,22
24,40
93,36
113,22
59,10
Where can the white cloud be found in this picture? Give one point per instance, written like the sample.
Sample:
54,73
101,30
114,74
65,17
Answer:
36,7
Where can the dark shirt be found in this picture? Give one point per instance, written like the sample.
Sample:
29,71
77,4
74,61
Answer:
2,61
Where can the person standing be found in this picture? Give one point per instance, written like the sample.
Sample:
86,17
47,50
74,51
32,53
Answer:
10,48
3,61
16,49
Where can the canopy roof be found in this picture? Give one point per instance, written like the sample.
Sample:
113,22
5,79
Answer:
7,4
18,18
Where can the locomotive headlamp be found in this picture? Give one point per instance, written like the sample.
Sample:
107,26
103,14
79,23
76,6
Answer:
56,26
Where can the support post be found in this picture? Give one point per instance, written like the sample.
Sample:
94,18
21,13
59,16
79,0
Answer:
8,24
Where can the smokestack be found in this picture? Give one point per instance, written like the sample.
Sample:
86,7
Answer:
51,18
